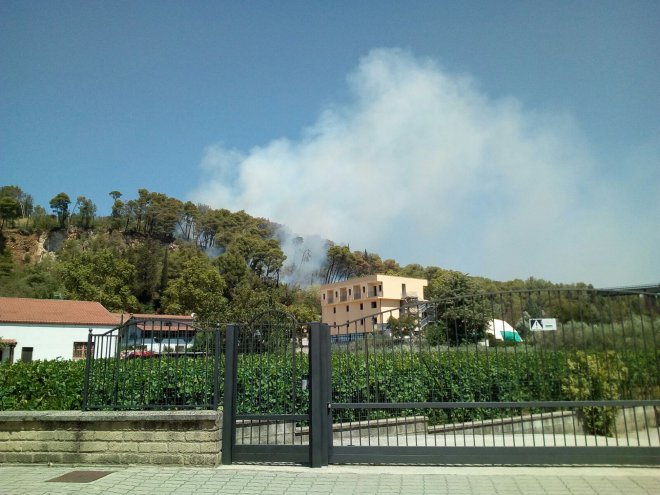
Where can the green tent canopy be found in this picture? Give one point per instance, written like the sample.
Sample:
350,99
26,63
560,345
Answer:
502,330
511,336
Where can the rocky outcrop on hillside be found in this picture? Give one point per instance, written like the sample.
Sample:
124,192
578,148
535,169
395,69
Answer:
24,248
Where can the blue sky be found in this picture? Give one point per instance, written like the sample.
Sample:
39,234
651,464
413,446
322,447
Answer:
503,139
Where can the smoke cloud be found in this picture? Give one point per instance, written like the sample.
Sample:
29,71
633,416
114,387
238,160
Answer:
423,167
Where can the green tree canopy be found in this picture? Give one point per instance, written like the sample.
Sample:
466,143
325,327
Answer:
233,268
24,200
460,309
86,212
188,216
341,264
60,206
264,256
9,210
148,257
199,289
102,276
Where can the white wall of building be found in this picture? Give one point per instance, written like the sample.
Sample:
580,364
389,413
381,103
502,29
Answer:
47,341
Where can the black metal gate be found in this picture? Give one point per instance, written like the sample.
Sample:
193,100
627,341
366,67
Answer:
273,408
535,377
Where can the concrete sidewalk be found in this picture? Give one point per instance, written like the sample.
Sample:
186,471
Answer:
340,480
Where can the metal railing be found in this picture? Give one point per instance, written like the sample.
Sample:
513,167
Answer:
519,377
500,374
154,364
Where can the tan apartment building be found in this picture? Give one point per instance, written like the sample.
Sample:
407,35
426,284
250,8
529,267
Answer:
357,300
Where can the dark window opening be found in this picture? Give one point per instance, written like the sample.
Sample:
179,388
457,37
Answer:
26,354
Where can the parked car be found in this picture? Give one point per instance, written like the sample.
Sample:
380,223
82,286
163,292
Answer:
136,353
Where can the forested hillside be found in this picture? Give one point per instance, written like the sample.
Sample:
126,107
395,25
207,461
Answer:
158,254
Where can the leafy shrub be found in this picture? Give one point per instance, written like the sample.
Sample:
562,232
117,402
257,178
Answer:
436,334
41,385
595,377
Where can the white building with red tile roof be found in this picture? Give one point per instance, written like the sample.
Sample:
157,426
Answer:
156,333
49,328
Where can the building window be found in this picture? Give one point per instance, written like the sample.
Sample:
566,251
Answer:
26,354
347,309
361,306
324,297
80,350
349,292
364,289
362,322
380,289
374,304
334,310
7,350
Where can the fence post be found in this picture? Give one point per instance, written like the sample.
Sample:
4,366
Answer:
326,367
88,364
216,368
318,370
229,404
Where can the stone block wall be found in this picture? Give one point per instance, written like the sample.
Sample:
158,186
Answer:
190,438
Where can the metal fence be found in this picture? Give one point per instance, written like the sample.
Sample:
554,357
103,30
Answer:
492,378
535,377
154,364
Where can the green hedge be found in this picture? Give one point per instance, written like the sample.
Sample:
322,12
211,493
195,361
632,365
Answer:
446,377
41,385
168,382
269,383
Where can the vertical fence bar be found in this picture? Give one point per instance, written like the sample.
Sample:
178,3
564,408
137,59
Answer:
216,369
326,381
229,408
88,364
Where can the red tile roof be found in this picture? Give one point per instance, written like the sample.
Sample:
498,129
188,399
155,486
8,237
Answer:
54,312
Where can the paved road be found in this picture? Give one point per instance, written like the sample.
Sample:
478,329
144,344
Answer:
340,480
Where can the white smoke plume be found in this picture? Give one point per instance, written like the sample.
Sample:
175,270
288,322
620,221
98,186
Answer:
305,257
423,167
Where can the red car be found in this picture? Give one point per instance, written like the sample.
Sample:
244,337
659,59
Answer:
136,354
